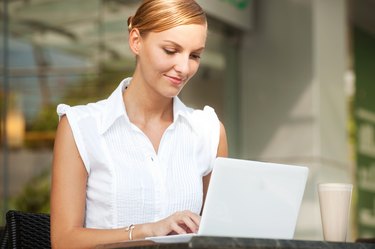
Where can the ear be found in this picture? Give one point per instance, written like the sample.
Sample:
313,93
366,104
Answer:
135,41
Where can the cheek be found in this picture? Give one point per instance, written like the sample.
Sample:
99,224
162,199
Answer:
159,61
163,64
149,55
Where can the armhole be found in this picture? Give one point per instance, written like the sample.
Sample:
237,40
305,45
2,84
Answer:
65,110
213,130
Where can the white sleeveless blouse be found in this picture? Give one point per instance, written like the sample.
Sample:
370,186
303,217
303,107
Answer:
128,183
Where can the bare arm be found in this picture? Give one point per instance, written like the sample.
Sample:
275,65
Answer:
222,151
68,198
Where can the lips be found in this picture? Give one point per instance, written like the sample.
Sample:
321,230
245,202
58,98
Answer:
175,80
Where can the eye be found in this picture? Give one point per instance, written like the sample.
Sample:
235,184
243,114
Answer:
195,56
169,51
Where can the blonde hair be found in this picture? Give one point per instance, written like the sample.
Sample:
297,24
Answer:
160,15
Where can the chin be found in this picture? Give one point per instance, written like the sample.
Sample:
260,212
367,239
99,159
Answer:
172,93
171,96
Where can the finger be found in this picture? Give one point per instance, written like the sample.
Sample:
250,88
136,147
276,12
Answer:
190,224
191,221
196,218
193,216
176,228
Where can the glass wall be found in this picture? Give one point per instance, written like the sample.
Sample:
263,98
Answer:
57,52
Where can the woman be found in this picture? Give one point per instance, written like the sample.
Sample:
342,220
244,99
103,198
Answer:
138,163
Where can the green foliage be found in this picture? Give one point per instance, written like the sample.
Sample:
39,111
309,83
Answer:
35,196
95,87
46,120
41,130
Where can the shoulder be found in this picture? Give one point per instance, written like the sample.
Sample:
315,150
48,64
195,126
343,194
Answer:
80,111
83,119
207,112
104,112
205,118
194,116
83,122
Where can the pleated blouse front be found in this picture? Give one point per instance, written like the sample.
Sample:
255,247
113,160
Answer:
129,183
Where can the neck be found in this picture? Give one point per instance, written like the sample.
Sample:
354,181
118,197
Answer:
143,104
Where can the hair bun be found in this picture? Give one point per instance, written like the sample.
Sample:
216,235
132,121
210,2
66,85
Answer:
130,20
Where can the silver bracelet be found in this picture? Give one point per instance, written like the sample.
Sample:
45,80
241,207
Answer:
130,229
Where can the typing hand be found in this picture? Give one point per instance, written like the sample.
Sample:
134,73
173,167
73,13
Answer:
178,223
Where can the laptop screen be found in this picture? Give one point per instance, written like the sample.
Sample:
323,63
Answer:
253,199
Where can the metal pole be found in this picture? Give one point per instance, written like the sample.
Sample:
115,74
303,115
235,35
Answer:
5,107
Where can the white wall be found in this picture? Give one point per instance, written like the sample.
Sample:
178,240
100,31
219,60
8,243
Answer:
293,100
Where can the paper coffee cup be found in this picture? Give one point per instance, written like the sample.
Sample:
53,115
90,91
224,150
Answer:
334,202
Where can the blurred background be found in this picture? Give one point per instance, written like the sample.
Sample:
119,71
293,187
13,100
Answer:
292,80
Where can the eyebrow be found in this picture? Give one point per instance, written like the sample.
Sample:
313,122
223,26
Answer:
179,46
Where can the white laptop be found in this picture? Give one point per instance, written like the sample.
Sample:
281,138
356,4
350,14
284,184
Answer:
250,199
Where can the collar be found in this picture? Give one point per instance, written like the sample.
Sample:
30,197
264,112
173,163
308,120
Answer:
115,108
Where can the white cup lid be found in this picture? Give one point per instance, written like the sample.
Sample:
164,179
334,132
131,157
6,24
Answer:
335,186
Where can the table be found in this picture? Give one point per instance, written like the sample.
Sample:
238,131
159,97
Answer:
205,242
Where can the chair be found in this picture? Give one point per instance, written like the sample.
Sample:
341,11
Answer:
26,230
3,238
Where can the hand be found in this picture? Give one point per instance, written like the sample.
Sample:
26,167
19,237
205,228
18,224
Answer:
178,223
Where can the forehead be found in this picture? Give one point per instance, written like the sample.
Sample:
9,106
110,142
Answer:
191,34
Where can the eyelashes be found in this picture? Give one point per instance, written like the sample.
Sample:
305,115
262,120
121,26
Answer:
172,52
169,51
195,56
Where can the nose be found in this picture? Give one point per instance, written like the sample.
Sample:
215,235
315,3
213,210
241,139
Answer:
182,64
